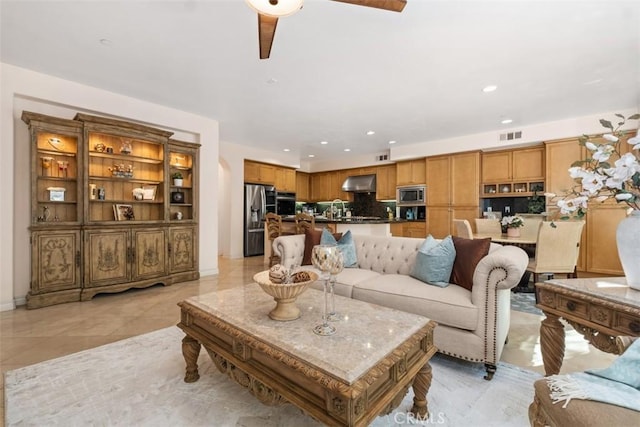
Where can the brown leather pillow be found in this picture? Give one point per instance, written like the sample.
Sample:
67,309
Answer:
312,238
469,252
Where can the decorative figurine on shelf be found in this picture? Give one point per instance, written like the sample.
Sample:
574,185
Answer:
121,171
99,147
46,165
125,147
63,167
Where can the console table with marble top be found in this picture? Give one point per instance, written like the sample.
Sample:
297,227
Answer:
362,371
600,309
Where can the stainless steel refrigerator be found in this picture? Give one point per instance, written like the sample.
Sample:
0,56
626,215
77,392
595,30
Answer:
258,200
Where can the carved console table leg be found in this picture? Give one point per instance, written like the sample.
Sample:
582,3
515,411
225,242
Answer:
552,343
190,351
421,384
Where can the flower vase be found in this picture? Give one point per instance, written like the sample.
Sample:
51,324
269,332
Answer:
513,232
627,238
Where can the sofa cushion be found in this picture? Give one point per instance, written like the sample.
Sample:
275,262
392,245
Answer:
449,306
346,280
434,261
345,244
312,238
469,252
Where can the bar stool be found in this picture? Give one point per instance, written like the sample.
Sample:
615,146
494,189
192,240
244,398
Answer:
274,229
304,222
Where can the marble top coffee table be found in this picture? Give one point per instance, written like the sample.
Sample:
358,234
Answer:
349,378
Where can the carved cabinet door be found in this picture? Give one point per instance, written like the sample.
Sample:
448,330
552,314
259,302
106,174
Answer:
150,248
182,247
55,261
107,257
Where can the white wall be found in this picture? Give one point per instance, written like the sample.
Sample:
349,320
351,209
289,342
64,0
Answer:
24,89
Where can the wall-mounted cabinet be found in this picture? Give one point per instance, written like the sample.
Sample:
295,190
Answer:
411,172
302,187
513,173
103,205
285,180
259,173
386,182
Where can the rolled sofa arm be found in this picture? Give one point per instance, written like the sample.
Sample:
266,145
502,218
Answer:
502,268
290,249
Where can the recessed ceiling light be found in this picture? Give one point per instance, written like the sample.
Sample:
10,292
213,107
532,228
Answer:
347,149
489,88
324,142
105,42
312,155
392,142
272,81
286,149
370,132
506,121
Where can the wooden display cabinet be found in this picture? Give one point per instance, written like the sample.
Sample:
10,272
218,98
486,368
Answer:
102,215
513,173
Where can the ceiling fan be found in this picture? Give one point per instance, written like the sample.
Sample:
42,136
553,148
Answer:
270,10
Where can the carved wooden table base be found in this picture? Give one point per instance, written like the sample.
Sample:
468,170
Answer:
592,313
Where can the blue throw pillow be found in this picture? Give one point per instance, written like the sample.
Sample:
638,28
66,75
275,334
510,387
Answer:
434,261
346,245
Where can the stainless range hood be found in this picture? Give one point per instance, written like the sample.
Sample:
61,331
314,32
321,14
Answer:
360,184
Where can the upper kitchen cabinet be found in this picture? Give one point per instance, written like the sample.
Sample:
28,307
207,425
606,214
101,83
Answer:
411,172
386,182
452,191
320,183
259,173
302,187
513,172
285,179
560,154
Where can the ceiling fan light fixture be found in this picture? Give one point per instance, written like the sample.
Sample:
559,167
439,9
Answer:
275,8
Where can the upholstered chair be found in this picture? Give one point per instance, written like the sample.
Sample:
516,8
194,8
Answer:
557,248
463,228
488,226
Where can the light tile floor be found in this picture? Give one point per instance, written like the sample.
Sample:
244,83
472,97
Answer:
32,336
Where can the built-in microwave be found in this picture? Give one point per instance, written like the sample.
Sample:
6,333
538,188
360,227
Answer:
414,195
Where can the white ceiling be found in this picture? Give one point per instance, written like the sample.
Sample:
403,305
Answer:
338,70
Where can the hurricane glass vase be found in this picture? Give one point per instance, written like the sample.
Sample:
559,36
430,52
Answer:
627,239
323,258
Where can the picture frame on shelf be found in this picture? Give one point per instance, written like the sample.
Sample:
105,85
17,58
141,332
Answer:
149,192
123,212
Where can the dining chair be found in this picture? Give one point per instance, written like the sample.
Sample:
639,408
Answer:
557,249
463,228
488,226
274,230
304,222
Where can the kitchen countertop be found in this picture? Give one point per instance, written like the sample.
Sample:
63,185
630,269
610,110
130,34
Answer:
352,220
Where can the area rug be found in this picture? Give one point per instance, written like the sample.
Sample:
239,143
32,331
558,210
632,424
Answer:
139,382
525,303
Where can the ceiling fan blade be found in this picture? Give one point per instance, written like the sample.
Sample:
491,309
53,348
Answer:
392,5
266,32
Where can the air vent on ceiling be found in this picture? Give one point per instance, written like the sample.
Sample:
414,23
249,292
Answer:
510,136
382,157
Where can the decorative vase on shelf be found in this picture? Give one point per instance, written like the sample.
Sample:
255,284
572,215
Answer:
513,231
627,238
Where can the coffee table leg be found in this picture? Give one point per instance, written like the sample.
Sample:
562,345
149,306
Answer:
551,343
421,384
190,351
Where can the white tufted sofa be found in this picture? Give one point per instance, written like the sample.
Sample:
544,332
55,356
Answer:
472,325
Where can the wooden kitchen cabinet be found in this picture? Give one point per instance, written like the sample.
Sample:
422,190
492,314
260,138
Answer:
513,173
259,173
302,187
320,183
452,191
386,182
411,172
285,180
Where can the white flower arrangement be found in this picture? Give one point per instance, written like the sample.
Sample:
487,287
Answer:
512,221
597,179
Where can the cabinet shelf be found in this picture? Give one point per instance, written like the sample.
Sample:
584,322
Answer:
57,153
183,187
56,202
182,204
129,202
121,179
55,178
121,157
181,168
